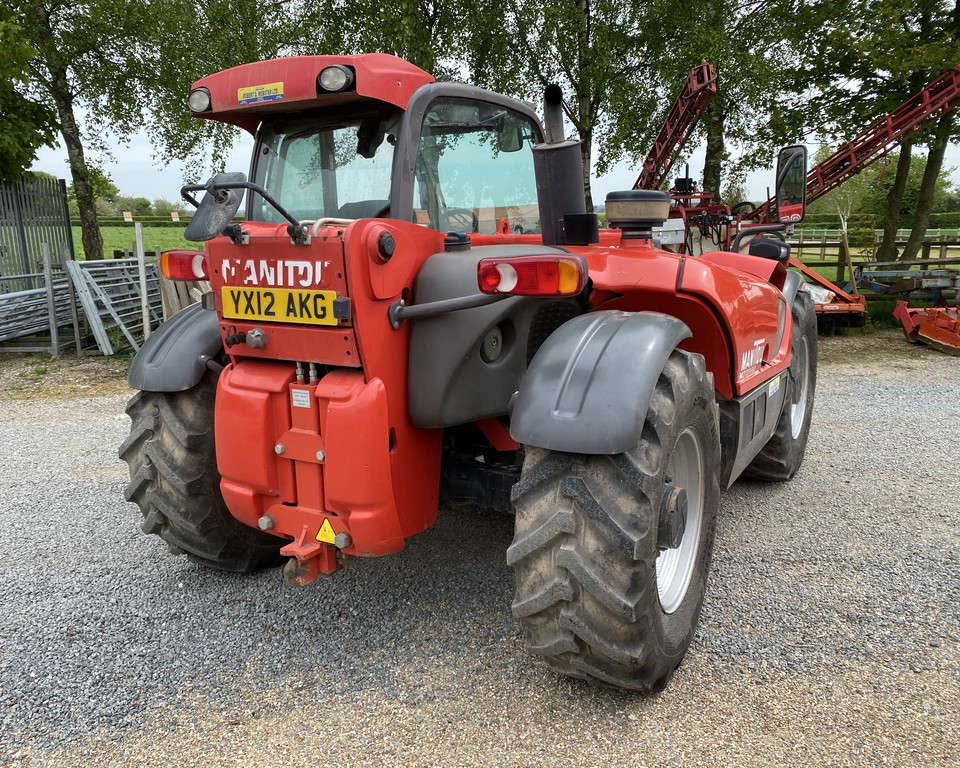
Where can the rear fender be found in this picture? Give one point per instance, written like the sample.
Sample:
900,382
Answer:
588,387
175,356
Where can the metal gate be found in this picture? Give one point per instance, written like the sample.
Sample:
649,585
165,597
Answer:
32,212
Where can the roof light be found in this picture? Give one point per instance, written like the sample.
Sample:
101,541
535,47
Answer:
199,100
184,265
545,275
335,78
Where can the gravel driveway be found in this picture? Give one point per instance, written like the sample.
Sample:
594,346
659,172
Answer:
830,634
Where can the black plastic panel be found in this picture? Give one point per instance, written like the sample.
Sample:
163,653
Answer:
175,356
449,380
589,385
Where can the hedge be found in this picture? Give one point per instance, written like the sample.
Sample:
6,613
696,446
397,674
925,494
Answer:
147,221
949,220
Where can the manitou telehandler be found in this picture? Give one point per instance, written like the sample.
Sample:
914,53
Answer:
416,310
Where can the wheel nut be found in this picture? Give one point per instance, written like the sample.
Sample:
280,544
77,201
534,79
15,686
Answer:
342,540
266,523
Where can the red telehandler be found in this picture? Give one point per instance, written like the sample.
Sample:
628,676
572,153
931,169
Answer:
415,307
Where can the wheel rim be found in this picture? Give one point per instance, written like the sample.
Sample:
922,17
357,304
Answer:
798,409
675,566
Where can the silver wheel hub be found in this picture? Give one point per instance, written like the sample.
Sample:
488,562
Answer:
801,387
677,561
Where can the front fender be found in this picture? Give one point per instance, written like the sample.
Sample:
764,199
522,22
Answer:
588,387
175,356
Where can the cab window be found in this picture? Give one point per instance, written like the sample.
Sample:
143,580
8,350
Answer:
474,169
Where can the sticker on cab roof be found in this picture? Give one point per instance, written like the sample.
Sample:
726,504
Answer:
257,94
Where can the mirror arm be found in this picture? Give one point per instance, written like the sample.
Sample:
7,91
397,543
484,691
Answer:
296,229
188,197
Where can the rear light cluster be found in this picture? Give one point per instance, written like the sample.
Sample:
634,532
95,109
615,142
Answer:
184,265
532,276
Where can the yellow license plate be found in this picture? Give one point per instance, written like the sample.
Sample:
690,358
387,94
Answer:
278,305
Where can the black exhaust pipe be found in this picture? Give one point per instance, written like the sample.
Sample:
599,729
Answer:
559,172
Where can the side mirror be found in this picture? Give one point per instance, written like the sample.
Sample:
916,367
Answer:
791,184
216,209
510,139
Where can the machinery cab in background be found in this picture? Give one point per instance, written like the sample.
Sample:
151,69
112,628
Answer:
791,184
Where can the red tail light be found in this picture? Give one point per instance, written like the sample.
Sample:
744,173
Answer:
184,265
546,275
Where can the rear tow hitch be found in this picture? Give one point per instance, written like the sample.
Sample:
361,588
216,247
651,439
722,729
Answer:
300,571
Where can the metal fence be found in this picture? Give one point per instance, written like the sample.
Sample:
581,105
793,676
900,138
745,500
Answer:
32,212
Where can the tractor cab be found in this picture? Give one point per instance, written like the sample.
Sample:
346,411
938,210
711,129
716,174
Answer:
444,155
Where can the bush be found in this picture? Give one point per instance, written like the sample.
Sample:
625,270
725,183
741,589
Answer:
832,221
945,220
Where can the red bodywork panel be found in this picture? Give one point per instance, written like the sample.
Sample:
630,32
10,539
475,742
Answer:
731,302
379,76
378,475
351,461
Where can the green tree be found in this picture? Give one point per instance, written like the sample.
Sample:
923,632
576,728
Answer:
190,40
851,197
877,193
866,58
87,58
746,44
163,207
104,192
603,54
138,206
25,124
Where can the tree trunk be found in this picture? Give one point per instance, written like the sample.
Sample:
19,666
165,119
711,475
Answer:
891,223
586,146
715,155
63,98
585,103
938,146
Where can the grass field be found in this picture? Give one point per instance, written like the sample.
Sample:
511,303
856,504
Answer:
122,238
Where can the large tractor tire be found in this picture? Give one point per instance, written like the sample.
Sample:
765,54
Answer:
175,482
782,456
609,577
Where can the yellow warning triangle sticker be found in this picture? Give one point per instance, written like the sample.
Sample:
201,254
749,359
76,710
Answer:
326,533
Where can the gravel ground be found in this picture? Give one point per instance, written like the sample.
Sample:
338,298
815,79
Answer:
830,634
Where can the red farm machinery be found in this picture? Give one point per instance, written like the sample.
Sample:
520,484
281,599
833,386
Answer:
415,309
728,226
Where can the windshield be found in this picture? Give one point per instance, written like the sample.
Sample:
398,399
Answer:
326,169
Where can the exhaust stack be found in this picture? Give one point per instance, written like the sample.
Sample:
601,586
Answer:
559,172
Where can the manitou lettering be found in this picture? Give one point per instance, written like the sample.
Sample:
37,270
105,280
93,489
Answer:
283,273
751,359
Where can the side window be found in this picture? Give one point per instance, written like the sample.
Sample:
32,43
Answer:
475,169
